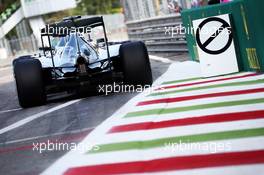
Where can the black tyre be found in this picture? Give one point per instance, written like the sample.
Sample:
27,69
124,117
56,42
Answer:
135,63
29,82
21,58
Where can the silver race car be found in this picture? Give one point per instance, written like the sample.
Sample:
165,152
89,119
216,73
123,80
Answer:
73,60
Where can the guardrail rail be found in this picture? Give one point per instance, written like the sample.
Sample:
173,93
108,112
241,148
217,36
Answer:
160,34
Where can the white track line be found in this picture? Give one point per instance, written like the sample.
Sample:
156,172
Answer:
10,110
48,135
6,79
164,60
5,68
36,116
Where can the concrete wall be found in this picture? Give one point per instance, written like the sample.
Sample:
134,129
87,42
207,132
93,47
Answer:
40,7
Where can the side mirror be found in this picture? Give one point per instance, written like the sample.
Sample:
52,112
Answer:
46,49
100,41
86,52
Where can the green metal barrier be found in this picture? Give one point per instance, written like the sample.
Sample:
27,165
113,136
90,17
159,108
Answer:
247,18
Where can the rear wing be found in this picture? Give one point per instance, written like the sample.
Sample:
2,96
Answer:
75,24
69,24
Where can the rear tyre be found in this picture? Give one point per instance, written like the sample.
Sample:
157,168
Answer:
29,82
135,64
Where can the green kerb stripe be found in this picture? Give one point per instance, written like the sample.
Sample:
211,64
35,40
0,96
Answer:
180,139
196,78
195,107
242,83
180,81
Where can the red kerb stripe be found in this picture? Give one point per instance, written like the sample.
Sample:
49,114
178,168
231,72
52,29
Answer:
173,163
208,81
216,118
193,97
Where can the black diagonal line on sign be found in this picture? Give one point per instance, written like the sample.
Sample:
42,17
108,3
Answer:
218,31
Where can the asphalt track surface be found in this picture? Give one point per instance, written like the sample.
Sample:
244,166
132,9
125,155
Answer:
63,120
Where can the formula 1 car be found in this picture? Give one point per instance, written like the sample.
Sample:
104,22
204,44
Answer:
77,61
